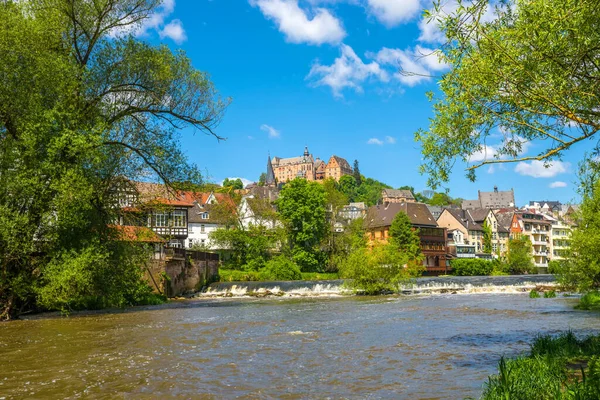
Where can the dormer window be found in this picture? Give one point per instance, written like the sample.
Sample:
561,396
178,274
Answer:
205,215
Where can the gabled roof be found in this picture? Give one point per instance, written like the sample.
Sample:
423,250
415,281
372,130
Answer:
341,162
397,193
504,220
383,215
464,218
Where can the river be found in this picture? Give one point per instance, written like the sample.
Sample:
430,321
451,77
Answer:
435,346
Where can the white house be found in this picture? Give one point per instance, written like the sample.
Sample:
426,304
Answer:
203,219
256,208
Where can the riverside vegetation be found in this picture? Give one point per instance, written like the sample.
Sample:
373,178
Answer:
85,105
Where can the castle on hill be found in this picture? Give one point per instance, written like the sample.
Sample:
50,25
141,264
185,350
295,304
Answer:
281,170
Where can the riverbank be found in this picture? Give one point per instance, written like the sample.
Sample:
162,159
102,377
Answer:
558,367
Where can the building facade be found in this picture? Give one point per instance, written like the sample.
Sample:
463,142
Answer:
305,166
432,237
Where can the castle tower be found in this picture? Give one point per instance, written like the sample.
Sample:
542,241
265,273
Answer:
270,181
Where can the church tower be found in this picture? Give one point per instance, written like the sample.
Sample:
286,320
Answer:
270,181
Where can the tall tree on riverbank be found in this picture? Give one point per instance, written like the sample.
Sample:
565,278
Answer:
519,256
404,238
487,237
99,106
529,74
302,208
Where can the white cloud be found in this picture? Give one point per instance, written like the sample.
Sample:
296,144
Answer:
390,140
375,141
156,22
486,153
272,132
297,26
347,71
429,26
416,65
558,184
174,30
394,12
537,169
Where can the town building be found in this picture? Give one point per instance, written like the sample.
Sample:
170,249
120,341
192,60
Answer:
458,247
257,207
210,212
433,238
353,211
537,228
336,168
493,200
397,196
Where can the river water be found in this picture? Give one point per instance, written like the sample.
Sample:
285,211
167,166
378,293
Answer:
440,346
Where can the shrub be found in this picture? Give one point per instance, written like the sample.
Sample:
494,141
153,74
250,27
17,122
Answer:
549,294
556,266
281,269
471,267
232,275
547,372
378,270
589,301
534,294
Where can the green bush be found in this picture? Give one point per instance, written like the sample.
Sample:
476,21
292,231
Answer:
549,294
233,275
471,267
555,266
589,301
378,270
281,269
561,367
534,294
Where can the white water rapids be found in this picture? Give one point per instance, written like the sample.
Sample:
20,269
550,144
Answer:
433,285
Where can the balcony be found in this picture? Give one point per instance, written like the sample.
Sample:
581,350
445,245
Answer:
541,265
540,243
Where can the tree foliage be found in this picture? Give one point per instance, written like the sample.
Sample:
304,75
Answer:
487,237
528,75
404,238
356,173
233,183
82,107
302,208
519,256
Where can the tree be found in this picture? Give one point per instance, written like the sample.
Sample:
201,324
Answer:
404,238
440,199
262,180
581,269
234,184
302,207
356,173
519,256
530,74
100,107
487,237
348,186
369,191
378,270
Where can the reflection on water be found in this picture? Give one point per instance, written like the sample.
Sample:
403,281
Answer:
436,347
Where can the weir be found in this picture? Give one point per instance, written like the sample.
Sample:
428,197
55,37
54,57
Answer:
425,285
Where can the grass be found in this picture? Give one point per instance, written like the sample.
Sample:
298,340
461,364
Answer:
232,275
589,301
534,295
559,367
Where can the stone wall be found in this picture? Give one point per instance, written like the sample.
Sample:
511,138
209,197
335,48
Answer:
176,276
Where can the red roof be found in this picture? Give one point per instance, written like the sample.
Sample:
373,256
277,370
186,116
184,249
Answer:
128,233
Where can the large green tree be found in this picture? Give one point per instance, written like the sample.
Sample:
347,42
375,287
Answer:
83,105
487,237
302,208
404,238
528,75
519,256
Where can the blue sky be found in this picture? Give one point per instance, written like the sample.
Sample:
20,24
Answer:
324,73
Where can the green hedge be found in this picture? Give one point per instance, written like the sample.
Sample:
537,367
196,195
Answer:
472,266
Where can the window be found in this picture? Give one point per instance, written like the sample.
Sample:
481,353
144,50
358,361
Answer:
160,219
190,243
205,215
495,225
179,217
201,228
203,241
494,235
